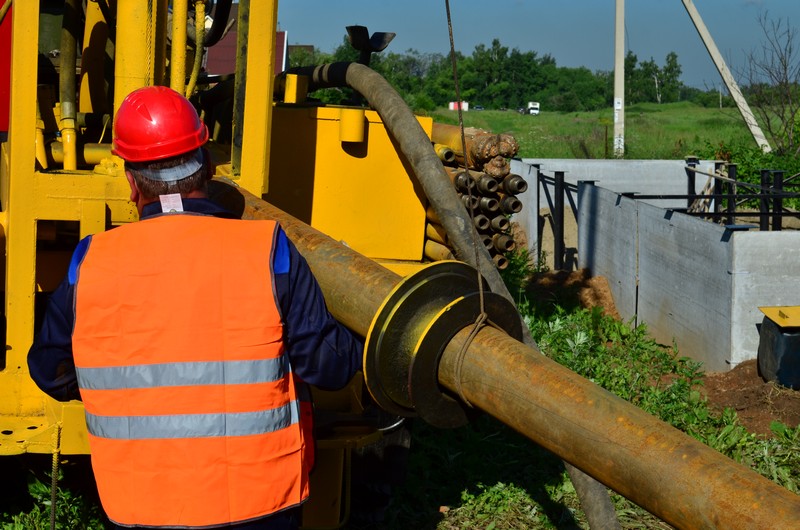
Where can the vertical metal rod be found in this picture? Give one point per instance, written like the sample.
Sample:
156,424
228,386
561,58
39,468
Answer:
731,206
777,202
763,211
243,25
691,193
558,222
538,182
718,188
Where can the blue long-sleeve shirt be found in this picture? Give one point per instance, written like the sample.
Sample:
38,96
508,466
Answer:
322,351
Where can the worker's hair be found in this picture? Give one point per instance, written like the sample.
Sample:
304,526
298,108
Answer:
151,189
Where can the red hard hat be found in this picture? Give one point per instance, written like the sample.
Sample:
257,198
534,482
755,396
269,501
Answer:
156,122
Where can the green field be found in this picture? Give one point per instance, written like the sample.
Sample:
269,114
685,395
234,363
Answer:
652,131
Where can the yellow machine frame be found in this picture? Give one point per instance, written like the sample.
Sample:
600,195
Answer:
335,168
96,199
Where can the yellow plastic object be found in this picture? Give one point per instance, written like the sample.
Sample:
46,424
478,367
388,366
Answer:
351,125
784,316
360,193
295,89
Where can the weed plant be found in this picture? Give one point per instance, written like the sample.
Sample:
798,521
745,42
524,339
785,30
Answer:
27,506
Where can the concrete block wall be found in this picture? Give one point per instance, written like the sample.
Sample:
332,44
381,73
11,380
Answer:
667,177
693,282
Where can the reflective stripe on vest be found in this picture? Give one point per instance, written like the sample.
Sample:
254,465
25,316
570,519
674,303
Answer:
178,374
191,404
193,425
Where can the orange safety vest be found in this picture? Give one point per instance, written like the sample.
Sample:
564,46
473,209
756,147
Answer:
191,404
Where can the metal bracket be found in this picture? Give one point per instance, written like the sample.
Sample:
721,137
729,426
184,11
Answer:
411,330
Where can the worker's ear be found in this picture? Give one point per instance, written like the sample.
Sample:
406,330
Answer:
135,193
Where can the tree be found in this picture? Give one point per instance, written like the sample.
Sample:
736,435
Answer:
671,79
772,76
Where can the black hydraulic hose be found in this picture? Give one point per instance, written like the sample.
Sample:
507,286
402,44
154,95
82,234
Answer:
217,30
418,150
428,168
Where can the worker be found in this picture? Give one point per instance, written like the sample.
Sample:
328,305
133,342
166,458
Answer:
185,335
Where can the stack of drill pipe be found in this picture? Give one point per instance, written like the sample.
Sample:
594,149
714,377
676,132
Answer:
481,146
491,202
479,170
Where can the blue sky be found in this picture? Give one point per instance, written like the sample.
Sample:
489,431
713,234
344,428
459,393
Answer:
574,32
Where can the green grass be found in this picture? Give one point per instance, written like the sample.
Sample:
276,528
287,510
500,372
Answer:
652,131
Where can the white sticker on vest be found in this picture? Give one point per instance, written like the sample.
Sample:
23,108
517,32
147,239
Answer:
171,203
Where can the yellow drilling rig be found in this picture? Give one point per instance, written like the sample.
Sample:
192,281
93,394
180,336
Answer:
369,195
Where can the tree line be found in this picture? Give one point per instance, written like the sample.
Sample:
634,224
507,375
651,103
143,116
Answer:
497,77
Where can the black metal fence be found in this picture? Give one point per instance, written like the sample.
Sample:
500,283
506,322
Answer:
724,199
727,200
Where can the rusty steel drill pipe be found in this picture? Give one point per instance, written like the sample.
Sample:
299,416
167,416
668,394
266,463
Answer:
415,146
675,477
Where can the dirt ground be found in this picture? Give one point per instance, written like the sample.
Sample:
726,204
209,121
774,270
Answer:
756,402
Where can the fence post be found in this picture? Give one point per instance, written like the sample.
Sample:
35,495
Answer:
719,186
558,222
539,219
731,204
763,217
691,193
777,202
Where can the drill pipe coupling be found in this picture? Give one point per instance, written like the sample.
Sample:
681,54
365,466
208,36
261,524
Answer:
411,330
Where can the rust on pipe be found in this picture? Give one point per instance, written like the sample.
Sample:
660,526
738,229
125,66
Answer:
500,223
675,477
461,180
484,183
498,167
470,201
500,261
503,243
336,267
513,185
481,222
510,204
488,205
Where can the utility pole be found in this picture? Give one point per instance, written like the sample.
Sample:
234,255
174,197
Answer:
619,80
727,77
